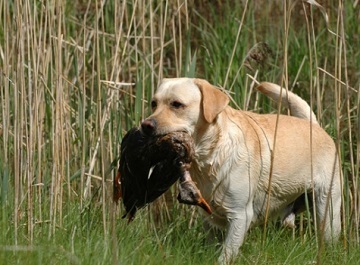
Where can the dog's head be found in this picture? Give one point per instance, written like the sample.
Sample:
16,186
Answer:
184,104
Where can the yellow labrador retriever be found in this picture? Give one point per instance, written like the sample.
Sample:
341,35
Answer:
236,158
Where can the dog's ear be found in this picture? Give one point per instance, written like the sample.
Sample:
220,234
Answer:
214,101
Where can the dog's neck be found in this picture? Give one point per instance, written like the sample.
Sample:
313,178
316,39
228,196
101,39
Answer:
208,148
206,139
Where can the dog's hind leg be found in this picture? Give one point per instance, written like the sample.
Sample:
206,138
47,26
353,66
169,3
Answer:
328,197
328,204
303,202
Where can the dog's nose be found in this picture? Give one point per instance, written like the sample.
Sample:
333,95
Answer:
148,126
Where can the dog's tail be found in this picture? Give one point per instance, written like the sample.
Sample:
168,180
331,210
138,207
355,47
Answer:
298,107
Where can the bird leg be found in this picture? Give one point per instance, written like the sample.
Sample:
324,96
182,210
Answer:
190,194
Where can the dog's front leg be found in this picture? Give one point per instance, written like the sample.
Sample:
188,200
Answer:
235,234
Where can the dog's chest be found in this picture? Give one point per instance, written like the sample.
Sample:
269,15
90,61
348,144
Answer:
210,182
201,174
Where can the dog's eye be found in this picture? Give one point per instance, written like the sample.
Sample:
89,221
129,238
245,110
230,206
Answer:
177,104
153,104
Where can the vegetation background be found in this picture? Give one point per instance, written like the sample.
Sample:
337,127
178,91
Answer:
76,75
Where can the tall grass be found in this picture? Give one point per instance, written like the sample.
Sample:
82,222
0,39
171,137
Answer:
76,75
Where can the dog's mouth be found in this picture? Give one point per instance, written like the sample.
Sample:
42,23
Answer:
160,132
152,126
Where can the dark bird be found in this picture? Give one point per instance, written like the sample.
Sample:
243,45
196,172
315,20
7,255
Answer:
150,165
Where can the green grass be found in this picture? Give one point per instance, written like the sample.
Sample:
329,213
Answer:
82,241
75,76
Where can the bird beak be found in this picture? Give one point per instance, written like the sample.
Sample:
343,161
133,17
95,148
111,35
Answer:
203,204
